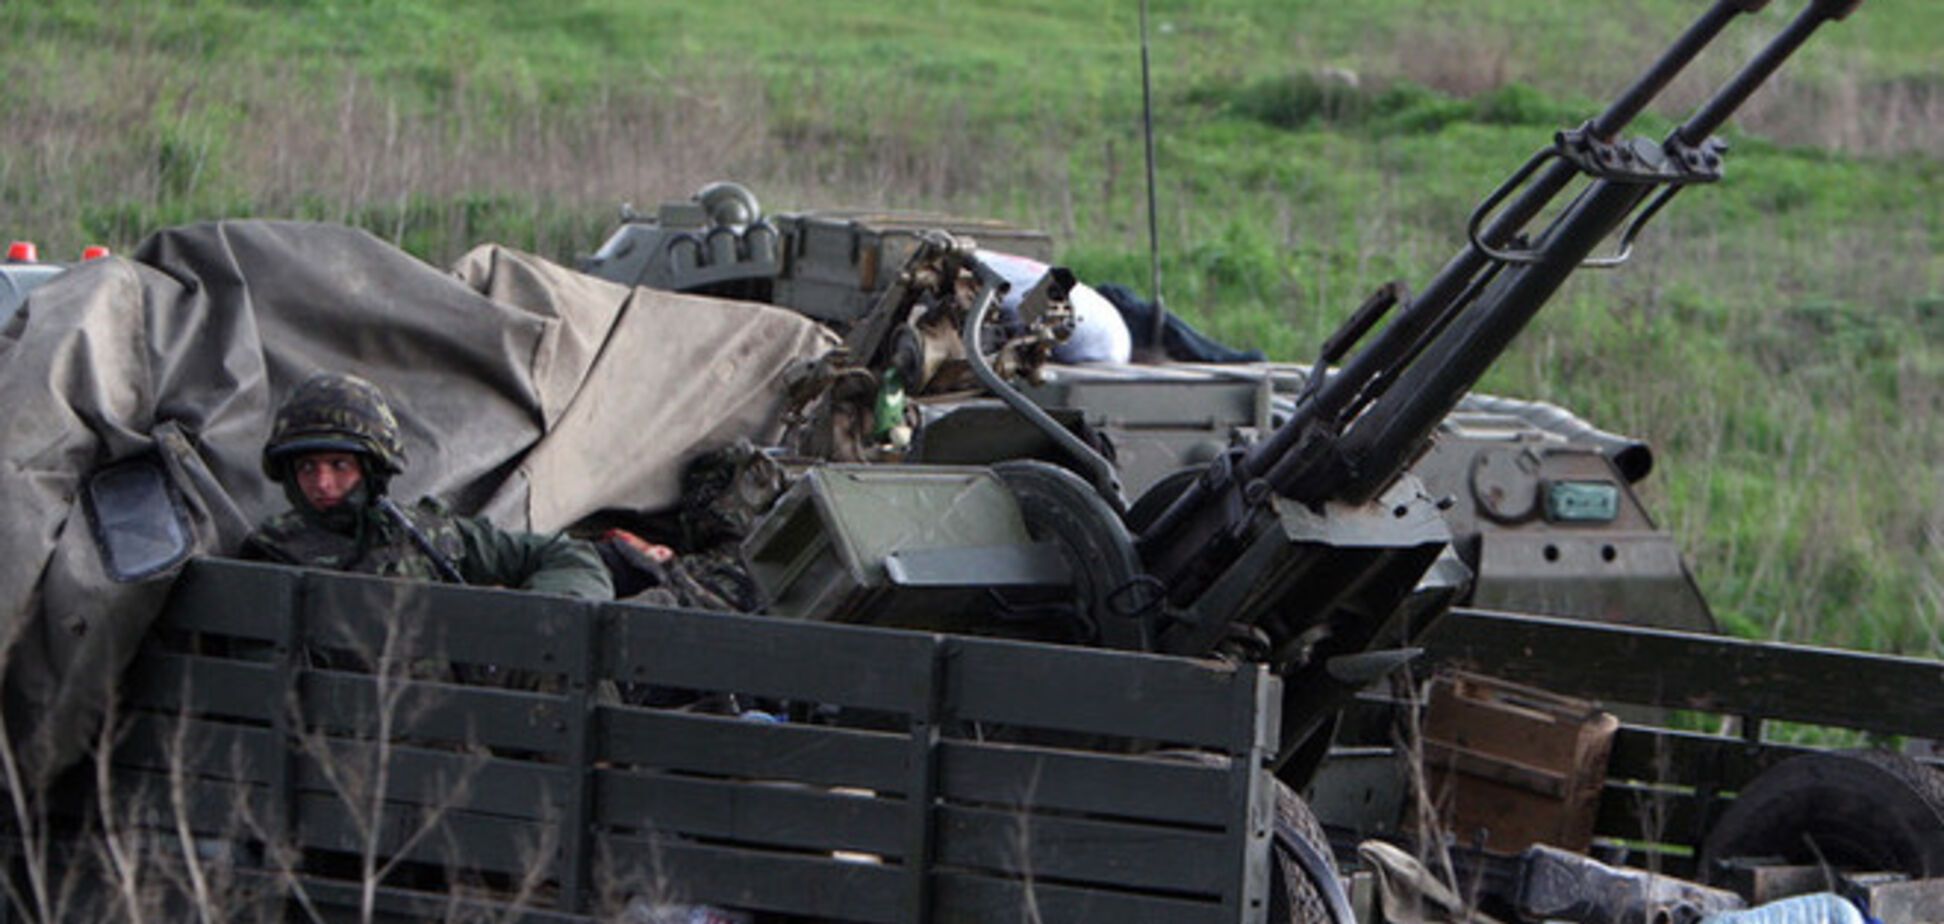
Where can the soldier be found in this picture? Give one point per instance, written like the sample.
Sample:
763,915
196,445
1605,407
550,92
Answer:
723,493
334,447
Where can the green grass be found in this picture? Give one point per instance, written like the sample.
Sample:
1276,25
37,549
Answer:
1778,339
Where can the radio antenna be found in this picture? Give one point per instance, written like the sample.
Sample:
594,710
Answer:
1158,348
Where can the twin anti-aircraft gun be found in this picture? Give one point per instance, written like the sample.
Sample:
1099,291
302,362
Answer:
1316,519
1322,519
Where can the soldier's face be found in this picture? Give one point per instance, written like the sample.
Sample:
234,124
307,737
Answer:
327,477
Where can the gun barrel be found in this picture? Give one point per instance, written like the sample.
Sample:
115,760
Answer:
1381,444
1712,115
1398,340
1403,339
1649,84
1364,426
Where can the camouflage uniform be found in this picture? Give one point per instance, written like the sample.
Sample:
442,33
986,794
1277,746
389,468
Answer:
483,553
724,495
334,412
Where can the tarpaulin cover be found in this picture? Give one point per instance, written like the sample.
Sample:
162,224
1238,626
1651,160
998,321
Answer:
527,392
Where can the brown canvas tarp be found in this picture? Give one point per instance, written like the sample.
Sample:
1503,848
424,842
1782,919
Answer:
527,392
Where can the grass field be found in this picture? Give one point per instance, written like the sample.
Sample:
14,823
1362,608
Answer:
1780,339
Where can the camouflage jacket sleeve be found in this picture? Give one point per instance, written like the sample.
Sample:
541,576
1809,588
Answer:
554,564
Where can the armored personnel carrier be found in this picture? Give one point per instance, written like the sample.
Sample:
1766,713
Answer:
1540,503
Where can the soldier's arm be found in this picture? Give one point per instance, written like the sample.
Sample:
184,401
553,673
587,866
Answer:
555,564
267,542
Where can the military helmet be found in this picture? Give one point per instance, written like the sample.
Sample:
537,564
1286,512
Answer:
335,412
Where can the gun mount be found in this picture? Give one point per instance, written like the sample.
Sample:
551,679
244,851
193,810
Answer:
1307,537
1305,540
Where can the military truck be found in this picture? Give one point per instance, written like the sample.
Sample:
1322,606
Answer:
1320,518
23,270
971,745
187,734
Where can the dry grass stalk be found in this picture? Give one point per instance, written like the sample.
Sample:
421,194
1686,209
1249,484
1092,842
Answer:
29,815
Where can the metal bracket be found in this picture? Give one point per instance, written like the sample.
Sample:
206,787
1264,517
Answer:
722,254
585,634
1673,165
1641,160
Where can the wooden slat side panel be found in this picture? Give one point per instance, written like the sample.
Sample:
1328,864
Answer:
455,841
212,686
214,808
1703,672
1169,700
345,897
763,656
1131,857
157,742
463,715
736,808
234,812
1150,788
229,689
511,630
678,871
969,897
786,815
721,746
224,597
448,780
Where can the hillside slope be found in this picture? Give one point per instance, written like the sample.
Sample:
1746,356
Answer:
1780,338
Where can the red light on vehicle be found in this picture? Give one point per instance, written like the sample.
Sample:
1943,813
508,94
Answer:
93,252
22,252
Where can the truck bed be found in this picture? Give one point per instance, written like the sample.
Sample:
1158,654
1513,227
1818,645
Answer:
554,759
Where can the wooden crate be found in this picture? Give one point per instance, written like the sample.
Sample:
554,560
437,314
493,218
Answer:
1516,765
1665,787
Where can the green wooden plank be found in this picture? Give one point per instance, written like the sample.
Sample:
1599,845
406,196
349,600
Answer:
203,685
220,749
1151,787
1133,857
1656,755
339,899
806,661
460,781
213,808
1172,700
968,898
807,884
752,811
469,625
227,597
461,715
728,747
472,782
1796,683
458,841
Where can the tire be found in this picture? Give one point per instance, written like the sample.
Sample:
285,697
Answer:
1859,810
1293,898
